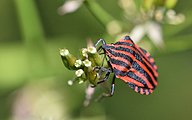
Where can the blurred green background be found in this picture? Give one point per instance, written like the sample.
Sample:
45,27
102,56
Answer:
33,80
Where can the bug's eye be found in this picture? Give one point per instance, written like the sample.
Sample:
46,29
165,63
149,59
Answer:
109,55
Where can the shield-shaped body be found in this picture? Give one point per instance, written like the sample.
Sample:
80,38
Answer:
133,65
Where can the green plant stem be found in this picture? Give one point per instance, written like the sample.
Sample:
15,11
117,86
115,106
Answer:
98,12
33,36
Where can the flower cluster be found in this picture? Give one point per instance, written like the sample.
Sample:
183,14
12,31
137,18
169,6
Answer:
83,67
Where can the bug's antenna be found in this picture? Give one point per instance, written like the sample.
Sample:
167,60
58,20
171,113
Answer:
103,41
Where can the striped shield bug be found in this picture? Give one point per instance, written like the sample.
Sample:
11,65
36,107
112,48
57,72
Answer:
130,63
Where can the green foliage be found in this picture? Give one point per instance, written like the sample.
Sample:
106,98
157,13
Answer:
33,78
138,4
103,17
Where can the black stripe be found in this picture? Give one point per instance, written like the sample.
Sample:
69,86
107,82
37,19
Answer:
153,63
143,91
138,89
126,38
144,51
117,62
138,57
129,74
144,56
116,54
125,43
120,49
149,91
131,85
149,57
137,67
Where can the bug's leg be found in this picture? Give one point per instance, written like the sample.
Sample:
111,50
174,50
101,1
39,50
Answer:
101,53
106,77
112,91
103,69
100,68
99,49
100,40
102,64
104,43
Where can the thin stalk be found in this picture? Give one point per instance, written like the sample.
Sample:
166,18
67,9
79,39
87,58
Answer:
33,36
98,12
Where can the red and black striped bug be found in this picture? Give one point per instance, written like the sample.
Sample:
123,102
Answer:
130,63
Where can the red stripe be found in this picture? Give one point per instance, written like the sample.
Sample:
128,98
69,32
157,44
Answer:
152,60
146,92
147,54
142,77
122,59
126,41
141,91
151,91
155,66
128,79
123,52
141,64
155,73
122,68
125,46
136,89
137,47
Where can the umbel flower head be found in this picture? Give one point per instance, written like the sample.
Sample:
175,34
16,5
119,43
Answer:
83,67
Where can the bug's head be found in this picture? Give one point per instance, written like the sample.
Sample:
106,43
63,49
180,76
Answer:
107,50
